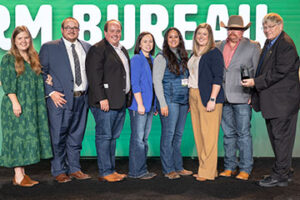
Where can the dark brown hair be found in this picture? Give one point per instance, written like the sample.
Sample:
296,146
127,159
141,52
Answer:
138,43
173,64
109,21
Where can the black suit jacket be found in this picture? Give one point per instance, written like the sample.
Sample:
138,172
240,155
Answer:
277,88
106,75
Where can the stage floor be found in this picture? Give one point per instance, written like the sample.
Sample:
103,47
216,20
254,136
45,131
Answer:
159,188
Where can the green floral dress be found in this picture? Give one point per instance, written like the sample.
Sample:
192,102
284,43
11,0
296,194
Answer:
25,139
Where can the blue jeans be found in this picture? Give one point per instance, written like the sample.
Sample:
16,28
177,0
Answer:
108,128
140,129
237,137
172,128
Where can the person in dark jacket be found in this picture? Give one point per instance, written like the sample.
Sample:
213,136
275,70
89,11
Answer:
206,67
277,96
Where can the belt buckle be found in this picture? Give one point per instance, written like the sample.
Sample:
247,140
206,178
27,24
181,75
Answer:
78,93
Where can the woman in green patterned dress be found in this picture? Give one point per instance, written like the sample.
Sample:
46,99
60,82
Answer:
26,137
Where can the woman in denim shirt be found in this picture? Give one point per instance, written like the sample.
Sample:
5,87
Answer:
143,105
170,76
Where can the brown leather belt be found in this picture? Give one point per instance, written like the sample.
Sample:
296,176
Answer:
79,93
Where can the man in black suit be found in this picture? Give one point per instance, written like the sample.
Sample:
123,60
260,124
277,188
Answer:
108,73
277,95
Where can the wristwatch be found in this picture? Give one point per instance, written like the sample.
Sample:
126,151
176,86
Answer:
212,99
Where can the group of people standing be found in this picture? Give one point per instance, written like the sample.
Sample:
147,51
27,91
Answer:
75,76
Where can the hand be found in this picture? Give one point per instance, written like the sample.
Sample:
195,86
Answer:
141,109
249,101
164,111
17,109
58,99
104,105
248,82
49,80
211,105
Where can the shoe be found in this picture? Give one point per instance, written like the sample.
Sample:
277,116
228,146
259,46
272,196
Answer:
148,175
271,182
243,176
201,179
62,178
195,175
185,172
30,180
228,173
23,183
290,176
110,178
79,175
172,175
121,175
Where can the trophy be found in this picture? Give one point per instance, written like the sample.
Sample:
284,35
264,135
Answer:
245,73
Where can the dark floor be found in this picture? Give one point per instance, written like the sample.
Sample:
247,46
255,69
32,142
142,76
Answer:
157,188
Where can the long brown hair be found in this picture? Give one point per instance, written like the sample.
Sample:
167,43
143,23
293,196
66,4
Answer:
171,57
31,52
211,42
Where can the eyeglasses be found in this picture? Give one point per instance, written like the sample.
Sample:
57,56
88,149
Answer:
68,28
269,27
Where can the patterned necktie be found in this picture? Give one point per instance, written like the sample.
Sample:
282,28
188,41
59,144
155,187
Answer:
78,80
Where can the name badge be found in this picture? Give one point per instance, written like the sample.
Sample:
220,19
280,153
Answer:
184,82
105,85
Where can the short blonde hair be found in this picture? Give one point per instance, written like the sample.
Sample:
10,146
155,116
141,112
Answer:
272,17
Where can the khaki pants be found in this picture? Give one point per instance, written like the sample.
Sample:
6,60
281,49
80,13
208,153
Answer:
206,126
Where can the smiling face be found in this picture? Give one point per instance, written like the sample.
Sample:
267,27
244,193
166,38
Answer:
113,33
173,39
202,37
272,29
146,44
22,41
70,30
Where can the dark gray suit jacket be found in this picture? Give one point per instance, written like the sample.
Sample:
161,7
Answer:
277,88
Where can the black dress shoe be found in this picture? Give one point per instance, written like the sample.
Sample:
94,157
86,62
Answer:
271,182
290,175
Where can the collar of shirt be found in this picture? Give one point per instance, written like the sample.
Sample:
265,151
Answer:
235,46
118,48
273,41
68,43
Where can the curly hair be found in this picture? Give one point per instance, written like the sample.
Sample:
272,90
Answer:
173,64
31,52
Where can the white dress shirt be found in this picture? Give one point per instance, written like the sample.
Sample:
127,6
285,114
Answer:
125,62
81,55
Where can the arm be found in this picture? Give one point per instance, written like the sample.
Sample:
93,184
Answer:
57,97
136,71
95,72
9,82
217,67
159,67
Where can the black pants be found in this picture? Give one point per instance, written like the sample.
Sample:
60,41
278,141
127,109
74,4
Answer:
282,133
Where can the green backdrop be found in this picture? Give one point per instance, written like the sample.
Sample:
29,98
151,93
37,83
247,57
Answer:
44,18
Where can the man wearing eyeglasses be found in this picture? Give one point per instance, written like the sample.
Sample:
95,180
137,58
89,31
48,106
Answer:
277,96
239,53
64,61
